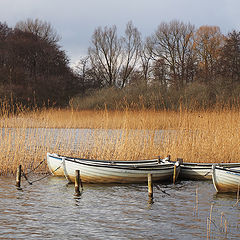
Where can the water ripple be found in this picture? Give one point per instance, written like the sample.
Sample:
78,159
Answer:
49,210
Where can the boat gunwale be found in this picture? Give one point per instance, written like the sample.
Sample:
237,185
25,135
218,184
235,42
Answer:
194,168
196,164
154,160
227,169
202,166
164,166
146,165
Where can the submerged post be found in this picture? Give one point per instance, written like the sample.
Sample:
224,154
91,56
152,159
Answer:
150,186
77,183
18,177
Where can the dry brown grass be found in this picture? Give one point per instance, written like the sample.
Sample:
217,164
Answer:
202,136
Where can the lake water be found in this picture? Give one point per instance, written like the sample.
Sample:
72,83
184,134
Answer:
48,209
73,138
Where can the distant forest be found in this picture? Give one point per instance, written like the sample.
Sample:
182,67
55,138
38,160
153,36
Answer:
178,60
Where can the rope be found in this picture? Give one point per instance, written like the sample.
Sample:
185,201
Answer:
26,177
35,167
43,161
163,191
207,173
45,176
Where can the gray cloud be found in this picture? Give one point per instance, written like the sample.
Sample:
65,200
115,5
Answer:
75,20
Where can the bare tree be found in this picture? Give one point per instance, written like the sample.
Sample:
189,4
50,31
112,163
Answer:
229,62
114,59
131,43
159,71
86,74
82,67
208,44
172,43
42,29
145,60
104,55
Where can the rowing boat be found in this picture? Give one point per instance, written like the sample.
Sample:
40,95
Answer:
200,171
226,179
100,171
55,162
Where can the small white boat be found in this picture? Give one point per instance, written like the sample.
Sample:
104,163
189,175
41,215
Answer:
99,171
226,179
55,162
200,171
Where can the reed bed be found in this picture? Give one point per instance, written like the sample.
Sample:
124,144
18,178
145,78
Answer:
196,136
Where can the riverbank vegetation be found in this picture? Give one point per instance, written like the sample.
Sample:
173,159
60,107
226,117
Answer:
196,136
175,92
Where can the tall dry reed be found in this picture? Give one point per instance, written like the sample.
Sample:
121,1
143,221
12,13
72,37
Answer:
195,136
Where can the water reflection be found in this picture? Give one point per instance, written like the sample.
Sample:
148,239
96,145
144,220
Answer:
77,200
225,196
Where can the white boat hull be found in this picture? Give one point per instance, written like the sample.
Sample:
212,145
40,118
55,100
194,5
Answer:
55,164
92,171
201,171
226,179
196,171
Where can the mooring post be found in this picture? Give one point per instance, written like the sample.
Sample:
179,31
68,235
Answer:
174,173
150,186
178,162
18,177
77,183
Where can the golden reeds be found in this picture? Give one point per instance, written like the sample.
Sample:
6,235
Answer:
195,136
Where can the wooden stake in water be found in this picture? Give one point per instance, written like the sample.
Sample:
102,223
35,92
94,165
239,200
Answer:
150,186
77,183
174,173
18,177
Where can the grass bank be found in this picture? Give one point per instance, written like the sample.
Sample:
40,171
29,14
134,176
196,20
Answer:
138,96
196,136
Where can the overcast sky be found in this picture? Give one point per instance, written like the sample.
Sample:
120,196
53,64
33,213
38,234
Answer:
75,20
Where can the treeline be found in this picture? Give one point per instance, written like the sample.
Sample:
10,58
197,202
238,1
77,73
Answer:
33,68
178,62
